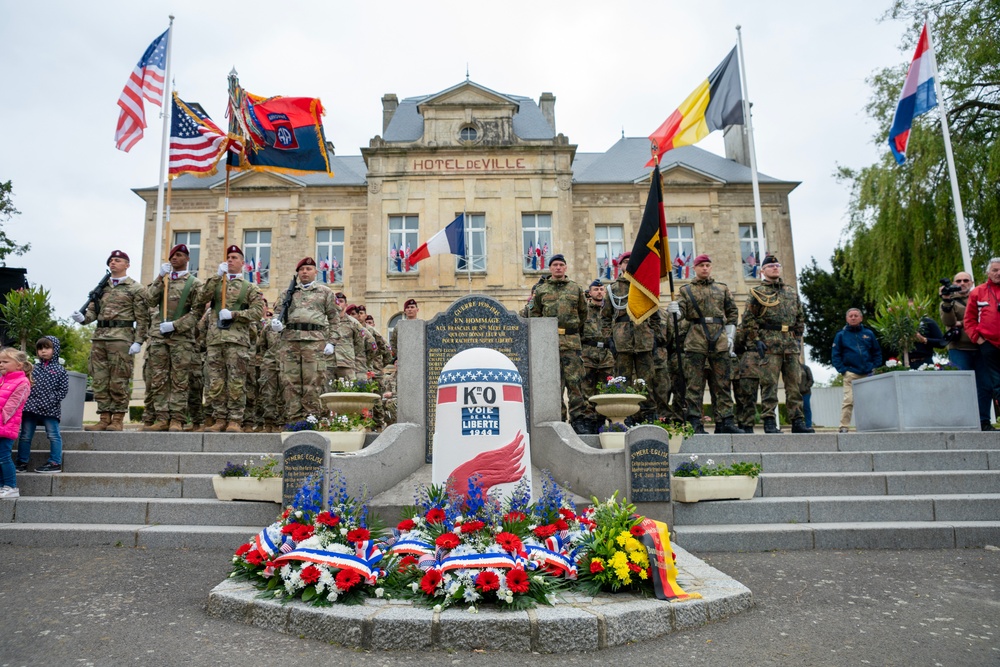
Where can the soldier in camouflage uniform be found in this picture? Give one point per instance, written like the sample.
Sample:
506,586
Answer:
122,318
308,339
148,412
196,385
250,386
667,386
709,307
565,300
382,360
172,352
633,344
229,347
598,362
364,364
352,344
746,384
774,324
270,395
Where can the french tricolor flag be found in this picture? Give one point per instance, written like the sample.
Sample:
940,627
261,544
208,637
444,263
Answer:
918,96
450,240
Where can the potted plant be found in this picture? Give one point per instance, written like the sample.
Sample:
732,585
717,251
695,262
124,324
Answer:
250,480
351,396
612,435
897,320
692,482
617,399
895,398
345,432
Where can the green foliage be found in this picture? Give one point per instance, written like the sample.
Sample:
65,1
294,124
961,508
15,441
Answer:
898,320
26,314
74,341
7,211
827,297
902,232
692,468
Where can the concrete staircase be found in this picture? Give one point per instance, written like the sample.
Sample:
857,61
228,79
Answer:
136,489
850,491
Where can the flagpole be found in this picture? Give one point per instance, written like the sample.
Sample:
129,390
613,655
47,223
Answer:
166,278
963,237
165,108
748,128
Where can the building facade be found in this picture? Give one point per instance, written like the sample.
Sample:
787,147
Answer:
525,189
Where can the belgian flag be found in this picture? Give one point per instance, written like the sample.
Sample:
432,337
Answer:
650,259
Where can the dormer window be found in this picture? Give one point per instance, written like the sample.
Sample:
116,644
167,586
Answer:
468,134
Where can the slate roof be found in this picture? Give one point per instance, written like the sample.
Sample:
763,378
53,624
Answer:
625,163
347,170
408,125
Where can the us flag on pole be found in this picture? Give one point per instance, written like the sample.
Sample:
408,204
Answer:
146,81
196,143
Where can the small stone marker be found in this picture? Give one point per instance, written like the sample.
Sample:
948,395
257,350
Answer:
306,454
481,428
649,470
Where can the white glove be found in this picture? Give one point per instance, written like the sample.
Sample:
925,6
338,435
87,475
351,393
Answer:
77,317
165,268
225,314
135,348
731,336
328,350
223,269
166,327
277,326
674,308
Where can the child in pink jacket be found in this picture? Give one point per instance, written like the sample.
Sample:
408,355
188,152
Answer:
15,387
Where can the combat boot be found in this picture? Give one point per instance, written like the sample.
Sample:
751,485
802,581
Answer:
101,425
158,425
728,426
746,428
771,425
217,426
209,421
233,427
117,422
176,426
799,426
580,427
698,427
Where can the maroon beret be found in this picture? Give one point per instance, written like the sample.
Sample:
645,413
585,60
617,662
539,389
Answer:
233,248
351,308
409,302
120,254
701,258
180,247
305,261
625,255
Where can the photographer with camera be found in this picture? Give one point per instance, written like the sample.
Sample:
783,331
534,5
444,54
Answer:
982,324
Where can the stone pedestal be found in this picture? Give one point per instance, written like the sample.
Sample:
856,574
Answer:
916,401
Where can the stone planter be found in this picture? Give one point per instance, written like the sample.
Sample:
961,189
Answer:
612,440
716,487
617,407
916,401
247,488
338,441
348,402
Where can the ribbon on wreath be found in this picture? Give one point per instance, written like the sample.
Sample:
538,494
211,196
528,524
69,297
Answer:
268,548
363,567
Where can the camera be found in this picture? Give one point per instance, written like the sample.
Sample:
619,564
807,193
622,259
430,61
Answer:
948,288
953,334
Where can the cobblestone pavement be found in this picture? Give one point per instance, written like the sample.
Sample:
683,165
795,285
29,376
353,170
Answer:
106,606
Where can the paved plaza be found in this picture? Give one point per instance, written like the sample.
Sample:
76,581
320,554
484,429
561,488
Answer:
131,606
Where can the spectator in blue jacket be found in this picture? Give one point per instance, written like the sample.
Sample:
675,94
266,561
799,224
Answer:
49,386
856,353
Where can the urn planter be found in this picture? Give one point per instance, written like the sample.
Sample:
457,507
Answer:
338,441
715,487
267,489
612,440
617,407
916,401
348,402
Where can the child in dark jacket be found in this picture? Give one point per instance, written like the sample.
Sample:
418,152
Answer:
49,387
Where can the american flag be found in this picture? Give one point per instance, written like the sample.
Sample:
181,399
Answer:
146,80
196,143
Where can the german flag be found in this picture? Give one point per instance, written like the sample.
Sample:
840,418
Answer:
714,104
649,261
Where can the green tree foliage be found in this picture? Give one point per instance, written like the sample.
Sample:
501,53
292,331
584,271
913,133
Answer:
827,296
897,321
7,211
902,235
74,341
26,314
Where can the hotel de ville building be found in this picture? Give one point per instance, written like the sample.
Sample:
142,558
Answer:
525,189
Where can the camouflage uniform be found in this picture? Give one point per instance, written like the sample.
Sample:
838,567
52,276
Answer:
564,299
250,412
598,362
746,384
774,316
229,350
148,411
270,395
382,359
171,357
111,365
196,385
668,382
352,345
369,360
389,404
313,321
634,344
706,342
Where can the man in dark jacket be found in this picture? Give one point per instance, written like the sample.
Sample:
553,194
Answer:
856,353
49,386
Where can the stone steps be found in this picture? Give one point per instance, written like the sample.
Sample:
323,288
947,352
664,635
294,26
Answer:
850,491
151,511
126,535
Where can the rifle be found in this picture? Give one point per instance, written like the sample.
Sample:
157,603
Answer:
286,304
677,341
95,296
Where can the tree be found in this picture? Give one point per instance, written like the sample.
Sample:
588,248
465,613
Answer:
7,211
902,235
827,296
26,314
74,341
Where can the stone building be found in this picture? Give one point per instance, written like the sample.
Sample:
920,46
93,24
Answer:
526,190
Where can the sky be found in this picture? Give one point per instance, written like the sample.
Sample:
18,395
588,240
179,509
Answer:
613,67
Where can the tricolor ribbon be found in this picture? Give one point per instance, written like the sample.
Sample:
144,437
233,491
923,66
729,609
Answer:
335,560
266,546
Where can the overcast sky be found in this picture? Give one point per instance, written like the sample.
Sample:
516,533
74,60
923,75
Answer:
611,66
